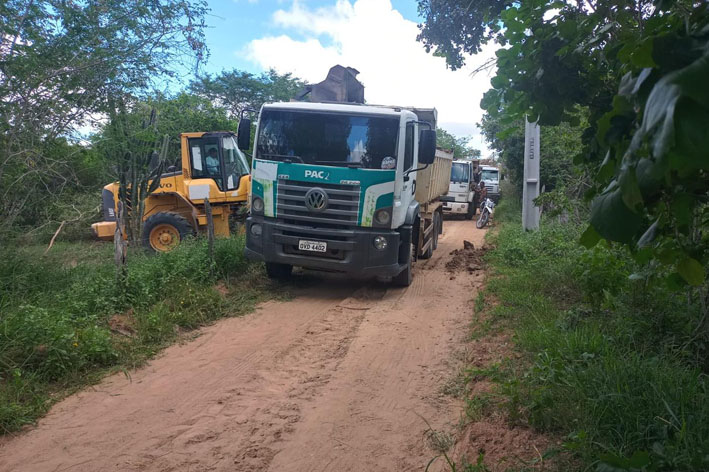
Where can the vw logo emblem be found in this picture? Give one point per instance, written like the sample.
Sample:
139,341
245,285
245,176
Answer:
316,199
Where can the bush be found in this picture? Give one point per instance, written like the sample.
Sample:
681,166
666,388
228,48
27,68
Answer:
612,361
57,312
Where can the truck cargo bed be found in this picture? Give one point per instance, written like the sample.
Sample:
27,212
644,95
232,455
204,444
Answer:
434,180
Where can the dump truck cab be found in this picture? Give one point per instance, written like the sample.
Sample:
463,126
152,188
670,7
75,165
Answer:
211,166
461,192
334,188
491,177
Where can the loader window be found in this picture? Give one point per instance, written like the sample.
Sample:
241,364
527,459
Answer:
235,163
205,159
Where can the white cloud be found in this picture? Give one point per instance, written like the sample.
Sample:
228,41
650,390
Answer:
375,39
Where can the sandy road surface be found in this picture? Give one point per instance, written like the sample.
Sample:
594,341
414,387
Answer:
337,379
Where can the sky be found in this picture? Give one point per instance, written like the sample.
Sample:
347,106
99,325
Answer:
376,37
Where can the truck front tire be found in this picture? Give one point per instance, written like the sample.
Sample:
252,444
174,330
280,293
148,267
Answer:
406,276
277,271
406,252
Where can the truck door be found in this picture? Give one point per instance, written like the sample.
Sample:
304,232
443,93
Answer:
409,162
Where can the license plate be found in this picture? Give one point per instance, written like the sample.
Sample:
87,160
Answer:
315,246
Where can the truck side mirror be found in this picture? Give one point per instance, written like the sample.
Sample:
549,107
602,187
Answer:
427,146
243,134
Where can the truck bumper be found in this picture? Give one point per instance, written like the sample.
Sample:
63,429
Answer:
349,251
456,208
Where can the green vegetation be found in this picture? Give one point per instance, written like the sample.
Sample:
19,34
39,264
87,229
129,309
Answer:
65,320
82,86
460,146
615,335
636,70
612,360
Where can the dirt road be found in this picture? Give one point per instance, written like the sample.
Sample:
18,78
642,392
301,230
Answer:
340,378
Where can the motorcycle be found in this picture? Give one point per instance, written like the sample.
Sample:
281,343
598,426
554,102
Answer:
487,208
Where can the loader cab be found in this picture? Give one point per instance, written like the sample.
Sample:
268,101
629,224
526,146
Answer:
216,156
213,166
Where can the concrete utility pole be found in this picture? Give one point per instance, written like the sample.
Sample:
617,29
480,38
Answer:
530,190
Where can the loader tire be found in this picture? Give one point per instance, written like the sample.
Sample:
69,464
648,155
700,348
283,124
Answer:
163,232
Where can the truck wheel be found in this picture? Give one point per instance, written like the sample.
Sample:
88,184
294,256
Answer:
405,276
429,251
471,211
277,271
437,229
162,232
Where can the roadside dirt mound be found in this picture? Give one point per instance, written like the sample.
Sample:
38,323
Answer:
500,441
466,259
502,446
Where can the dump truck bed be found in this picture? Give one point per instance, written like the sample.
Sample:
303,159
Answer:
434,180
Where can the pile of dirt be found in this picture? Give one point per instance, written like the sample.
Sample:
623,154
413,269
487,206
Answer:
467,259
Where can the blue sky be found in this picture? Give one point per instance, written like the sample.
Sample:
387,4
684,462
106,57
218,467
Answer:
377,37
233,23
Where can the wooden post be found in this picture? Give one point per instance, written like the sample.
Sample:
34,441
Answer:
210,227
119,244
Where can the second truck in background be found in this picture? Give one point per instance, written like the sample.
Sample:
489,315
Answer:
460,199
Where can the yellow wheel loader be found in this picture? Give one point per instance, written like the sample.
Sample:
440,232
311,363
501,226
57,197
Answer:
213,167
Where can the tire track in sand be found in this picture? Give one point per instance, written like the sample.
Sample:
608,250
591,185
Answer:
336,379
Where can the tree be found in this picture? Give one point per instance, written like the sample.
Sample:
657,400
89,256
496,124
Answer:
454,28
638,68
458,145
63,63
182,113
238,90
560,144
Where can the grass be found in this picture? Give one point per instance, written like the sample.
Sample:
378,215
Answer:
65,319
610,363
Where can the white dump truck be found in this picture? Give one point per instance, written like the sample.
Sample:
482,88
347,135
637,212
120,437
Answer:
491,177
346,188
460,199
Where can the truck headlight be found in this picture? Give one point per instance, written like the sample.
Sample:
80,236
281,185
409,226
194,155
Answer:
382,217
380,243
256,229
257,205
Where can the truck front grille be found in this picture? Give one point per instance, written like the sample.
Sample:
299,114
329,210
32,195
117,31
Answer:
342,210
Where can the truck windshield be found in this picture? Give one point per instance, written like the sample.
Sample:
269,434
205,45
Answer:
489,175
328,139
460,172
